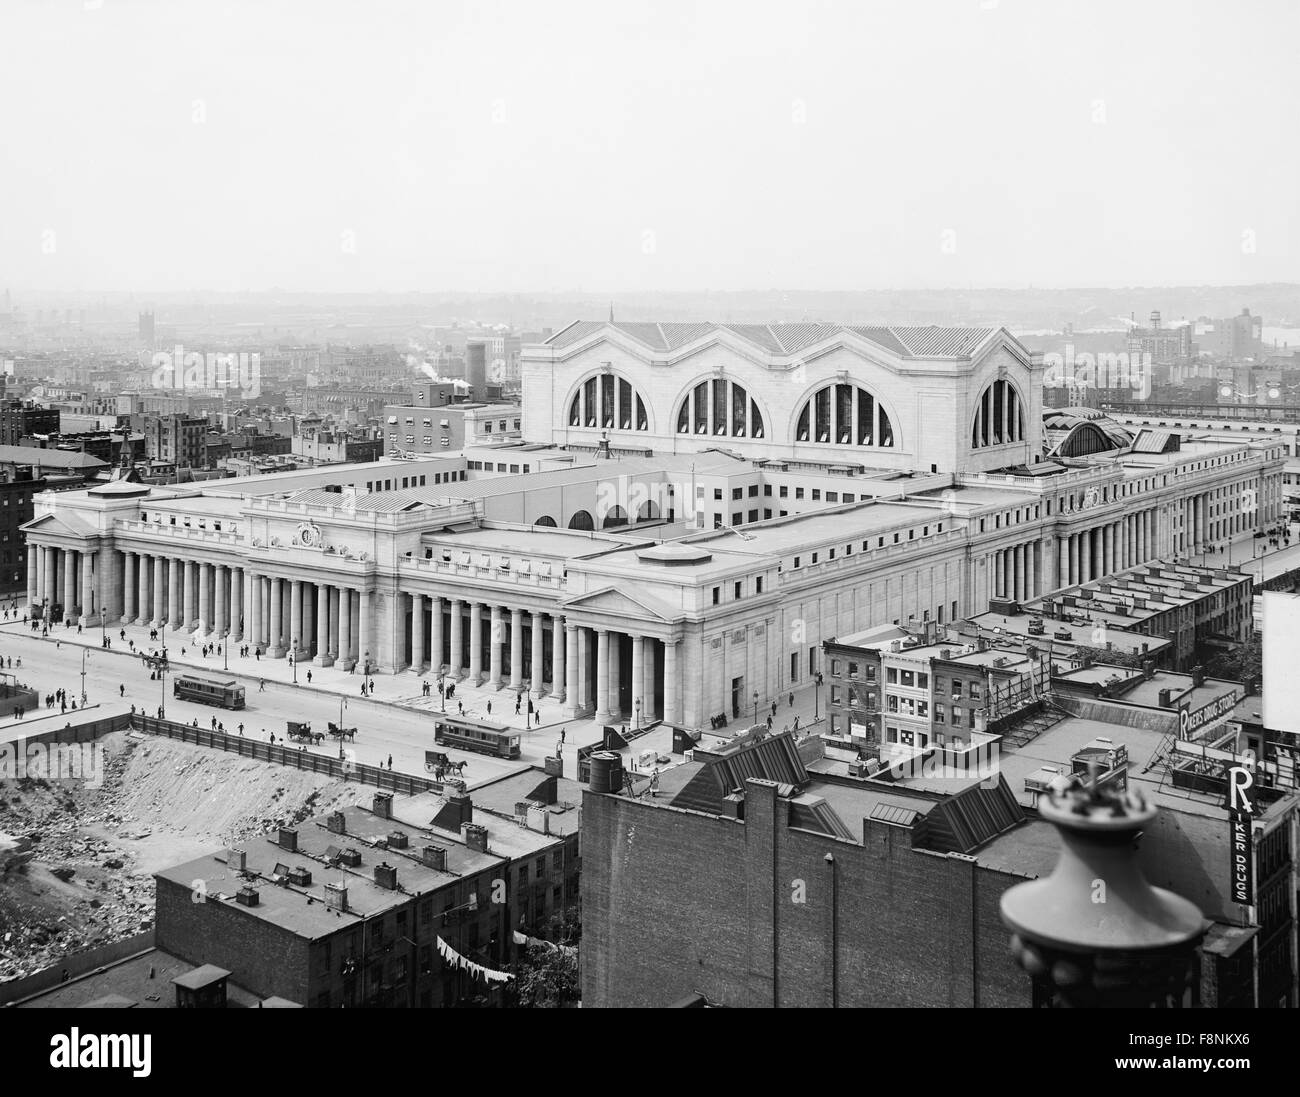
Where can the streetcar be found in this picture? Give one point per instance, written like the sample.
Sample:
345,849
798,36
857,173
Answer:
476,735
222,692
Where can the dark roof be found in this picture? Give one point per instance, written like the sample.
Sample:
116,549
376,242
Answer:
49,458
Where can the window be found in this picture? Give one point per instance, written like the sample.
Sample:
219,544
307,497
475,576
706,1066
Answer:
922,681
817,495
798,493
835,695
736,592
784,491
832,497
891,676
737,493
717,494
939,714
956,717
844,414
758,585
835,668
753,491
720,406
717,595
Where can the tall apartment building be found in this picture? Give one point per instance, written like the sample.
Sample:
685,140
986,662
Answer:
21,418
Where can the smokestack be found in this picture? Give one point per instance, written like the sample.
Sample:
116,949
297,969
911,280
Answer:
288,839
386,876
382,805
337,823
475,837
336,896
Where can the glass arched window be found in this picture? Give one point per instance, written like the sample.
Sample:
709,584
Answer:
999,417
608,402
720,408
843,414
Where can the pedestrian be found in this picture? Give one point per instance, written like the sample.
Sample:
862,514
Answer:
489,708
563,734
773,708
261,686
460,705
122,690
363,689
769,723
792,700
390,761
537,718
259,654
517,704
530,706
796,724
309,677
214,723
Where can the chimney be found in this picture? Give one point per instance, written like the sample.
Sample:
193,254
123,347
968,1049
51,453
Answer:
336,896
435,857
386,876
382,805
247,897
1198,676
1148,669
288,839
337,823
733,806
236,859
475,837
461,801
398,839
1162,698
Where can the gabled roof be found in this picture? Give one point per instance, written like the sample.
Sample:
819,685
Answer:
619,603
787,339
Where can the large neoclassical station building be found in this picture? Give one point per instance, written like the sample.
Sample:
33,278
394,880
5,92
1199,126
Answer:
687,513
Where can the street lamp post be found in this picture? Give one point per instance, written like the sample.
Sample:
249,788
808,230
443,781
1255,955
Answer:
84,653
442,689
343,703
637,706
755,706
225,650
817,686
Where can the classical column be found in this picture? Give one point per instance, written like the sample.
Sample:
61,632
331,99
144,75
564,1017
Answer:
334,623
220,602
559,651
205,602
307,623
128,587
52,581
638,676
570,697
69,585
295,617
323,657
475,643
435,635
536,671
33,558
159,592
346,657
455,655
516,650
88,602
187,597
602,676
143,601
236,619
495,642
417,634
615,674
365,616
255,601
275,639
672,688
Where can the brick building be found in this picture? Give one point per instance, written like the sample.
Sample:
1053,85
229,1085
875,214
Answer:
769,873
373,907
21,418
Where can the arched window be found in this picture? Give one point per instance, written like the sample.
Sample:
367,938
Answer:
720,408
843,414
545,520
608,402
999,417
647,511
615,516
581,520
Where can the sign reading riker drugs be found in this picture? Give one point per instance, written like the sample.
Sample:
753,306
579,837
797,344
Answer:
1241,810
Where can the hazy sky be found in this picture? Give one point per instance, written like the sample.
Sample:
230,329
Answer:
646,145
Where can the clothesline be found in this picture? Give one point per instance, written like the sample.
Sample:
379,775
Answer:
456,960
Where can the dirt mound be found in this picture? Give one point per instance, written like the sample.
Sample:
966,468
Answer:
93,851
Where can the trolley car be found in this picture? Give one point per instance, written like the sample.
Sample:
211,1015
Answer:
225,693
476,735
